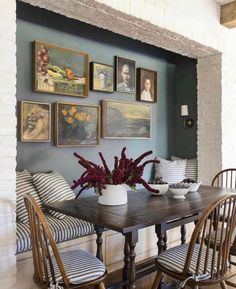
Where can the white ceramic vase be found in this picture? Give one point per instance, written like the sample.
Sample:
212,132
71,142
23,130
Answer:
113,195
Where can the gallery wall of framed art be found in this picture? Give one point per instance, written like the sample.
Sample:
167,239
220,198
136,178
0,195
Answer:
101,48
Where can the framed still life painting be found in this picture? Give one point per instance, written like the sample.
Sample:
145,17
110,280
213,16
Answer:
101,77
146,85
126,120
77,125
125,75
60,70
35,121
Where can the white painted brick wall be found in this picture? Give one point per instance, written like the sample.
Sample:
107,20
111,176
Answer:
7,144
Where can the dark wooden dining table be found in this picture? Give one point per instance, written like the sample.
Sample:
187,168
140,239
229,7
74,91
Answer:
142,210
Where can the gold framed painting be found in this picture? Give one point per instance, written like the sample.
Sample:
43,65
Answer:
101,77
77,124
60,70
126,120
146,85
35,121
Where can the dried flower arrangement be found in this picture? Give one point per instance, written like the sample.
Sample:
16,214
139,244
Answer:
126,171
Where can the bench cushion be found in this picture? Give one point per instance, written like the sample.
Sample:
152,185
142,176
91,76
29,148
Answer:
24,185
53,187
62,230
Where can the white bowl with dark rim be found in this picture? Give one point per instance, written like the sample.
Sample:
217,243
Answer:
162,188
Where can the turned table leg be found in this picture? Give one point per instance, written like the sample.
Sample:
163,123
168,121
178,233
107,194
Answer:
126,259
99,230
161,233
132,238
183,234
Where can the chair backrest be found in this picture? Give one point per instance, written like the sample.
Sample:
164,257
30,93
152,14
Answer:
225,179
208,259
43,245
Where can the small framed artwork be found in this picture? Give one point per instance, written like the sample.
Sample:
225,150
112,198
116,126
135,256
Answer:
125,75
77,124
146,85
126,120
35,121
101,77
60,70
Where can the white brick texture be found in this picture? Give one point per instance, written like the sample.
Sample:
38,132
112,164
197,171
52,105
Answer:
7,144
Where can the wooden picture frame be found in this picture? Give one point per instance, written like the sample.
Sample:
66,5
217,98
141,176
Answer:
35,121
125,75
60,70
146,85
126,120
101,77
76,124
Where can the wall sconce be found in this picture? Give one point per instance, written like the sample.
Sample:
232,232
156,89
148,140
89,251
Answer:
188,122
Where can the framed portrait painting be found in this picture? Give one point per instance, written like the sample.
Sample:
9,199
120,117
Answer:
77,124
35,121
146,85
101,77
60,70
126,120
125,75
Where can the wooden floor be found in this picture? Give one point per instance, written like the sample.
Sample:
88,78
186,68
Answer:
146,283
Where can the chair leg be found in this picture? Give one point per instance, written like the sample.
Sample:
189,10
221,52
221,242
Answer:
101,286
223,285
231,284
157,280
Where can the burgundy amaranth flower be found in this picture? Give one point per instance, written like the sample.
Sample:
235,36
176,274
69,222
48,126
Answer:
125,171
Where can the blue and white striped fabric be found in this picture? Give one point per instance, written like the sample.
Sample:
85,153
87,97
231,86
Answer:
52,187
171,171
174,259
24,185
62,230
80,267
191,168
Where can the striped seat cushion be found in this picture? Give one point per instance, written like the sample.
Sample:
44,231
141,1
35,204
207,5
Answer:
191,168
170,171
80,267
174,259
24,184
52,187
62,230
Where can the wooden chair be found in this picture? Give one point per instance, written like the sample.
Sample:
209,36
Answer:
72,269
196,263
227,179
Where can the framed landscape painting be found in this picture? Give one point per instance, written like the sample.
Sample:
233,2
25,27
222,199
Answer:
101,77
35,121
146,85
60,70
77,124
126,120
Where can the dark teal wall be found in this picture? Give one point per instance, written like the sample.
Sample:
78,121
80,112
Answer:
102,45
185,93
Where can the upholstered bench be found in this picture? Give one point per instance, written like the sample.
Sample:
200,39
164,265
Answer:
63,230
46,187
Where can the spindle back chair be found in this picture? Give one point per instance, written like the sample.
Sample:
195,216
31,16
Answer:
45,253
225,179
198,263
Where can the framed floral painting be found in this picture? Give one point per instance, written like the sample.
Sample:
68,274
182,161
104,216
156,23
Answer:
60,70
35,121
77,124
126,120
101,77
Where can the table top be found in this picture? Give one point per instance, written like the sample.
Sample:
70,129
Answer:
143,208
